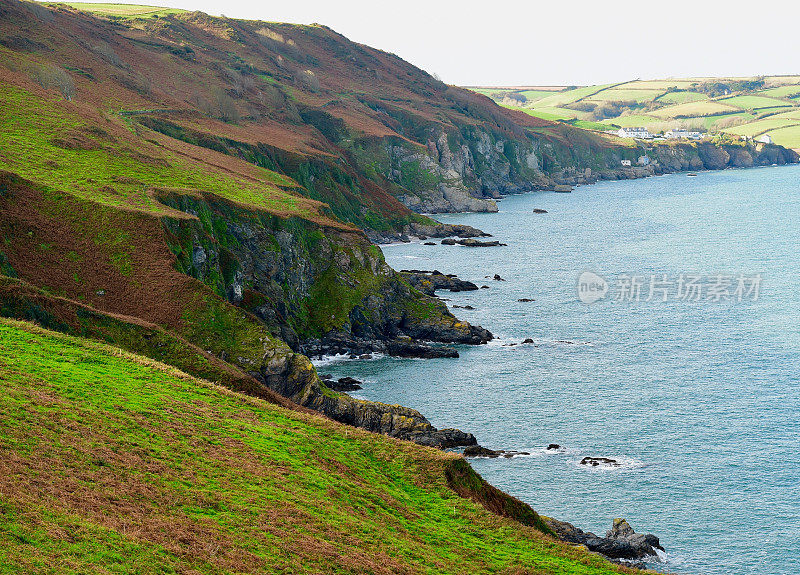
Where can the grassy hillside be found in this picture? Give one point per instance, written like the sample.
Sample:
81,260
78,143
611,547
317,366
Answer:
735,106
135,467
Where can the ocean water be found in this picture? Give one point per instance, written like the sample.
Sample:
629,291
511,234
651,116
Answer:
698,399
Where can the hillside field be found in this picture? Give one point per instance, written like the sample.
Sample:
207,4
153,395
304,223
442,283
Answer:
739,107
136,467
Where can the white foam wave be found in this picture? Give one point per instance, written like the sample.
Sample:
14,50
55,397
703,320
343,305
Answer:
340,357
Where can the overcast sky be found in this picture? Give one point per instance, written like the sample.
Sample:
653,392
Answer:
559,42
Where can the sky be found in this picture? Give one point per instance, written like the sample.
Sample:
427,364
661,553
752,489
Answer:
558,42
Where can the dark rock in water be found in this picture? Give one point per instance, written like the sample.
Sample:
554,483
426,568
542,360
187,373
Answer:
443,438
644,544
429,281
424,231
497,278
597,461
325,376
621,542
553,447
473,243
409,348
525,299
539,211
484,287
448,242
479,451
463,306
430,243
365,356
344,384
527,340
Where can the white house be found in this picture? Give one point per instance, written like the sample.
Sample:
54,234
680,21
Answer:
641,133
681,134
626,163
764,139
676,134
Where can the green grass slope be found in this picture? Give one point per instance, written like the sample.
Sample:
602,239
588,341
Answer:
113,463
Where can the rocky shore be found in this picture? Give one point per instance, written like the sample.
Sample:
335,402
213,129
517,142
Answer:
621,542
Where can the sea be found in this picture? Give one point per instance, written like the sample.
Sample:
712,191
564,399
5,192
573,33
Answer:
666,336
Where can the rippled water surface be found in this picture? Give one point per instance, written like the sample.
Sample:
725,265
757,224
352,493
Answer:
699,400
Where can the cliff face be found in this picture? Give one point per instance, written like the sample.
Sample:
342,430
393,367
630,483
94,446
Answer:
325,290
214,178
151,305
665,158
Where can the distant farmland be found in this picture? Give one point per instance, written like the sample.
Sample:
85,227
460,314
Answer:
748,107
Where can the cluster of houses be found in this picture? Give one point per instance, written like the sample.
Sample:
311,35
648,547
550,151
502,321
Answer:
644,134
678,134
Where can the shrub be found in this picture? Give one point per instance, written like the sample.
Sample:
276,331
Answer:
49,76
226,109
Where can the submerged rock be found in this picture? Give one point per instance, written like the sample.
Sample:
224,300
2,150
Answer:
539,211
600,461
553,447
525,300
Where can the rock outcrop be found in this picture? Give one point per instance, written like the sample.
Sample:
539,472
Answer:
292,376
429,281
322,291
620,542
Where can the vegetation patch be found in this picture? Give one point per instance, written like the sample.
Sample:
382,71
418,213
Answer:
138,466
